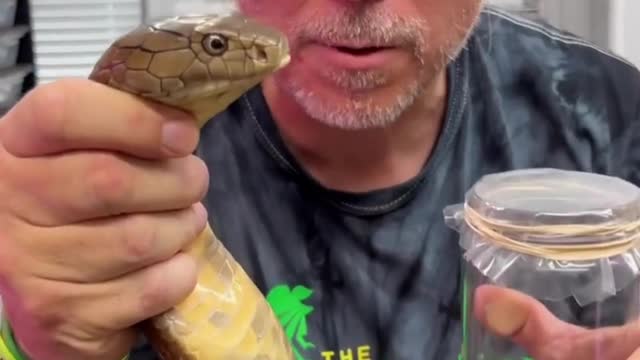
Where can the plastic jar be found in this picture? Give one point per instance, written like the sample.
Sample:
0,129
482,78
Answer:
568,239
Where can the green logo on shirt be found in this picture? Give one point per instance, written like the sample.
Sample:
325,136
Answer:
288,305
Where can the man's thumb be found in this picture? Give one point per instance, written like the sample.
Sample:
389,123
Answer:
635,355
512,314
529,324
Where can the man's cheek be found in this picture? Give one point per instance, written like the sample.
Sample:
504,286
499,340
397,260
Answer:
269,11
251,8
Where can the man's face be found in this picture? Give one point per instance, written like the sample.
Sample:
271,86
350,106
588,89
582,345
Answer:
360,63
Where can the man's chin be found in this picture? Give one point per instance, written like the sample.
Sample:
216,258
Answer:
354,109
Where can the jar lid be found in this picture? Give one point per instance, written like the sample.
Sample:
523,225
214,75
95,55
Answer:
539,197
567,233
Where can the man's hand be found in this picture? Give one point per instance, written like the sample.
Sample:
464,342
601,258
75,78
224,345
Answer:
529,324
98,194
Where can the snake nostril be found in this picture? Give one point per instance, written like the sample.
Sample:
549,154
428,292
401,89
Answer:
262,55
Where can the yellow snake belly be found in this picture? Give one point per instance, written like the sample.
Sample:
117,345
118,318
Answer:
201,64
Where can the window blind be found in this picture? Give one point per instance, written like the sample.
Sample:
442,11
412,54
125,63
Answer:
156,9
70,35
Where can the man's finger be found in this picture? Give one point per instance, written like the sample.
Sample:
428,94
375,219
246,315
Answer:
635,355
529,324
81,114
129,299
78,186
143,294
615,343
110,247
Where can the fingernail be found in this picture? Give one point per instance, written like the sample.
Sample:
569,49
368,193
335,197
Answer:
505,317
178,137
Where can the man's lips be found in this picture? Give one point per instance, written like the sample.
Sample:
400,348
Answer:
351,56
358,46
359,51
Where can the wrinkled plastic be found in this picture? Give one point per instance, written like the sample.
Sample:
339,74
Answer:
551,197
595,292
10,44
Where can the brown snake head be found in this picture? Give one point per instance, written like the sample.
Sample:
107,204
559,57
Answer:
198,63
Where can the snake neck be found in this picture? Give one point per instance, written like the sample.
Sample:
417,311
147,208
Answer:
205,108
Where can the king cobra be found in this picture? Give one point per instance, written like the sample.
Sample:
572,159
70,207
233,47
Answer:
201,64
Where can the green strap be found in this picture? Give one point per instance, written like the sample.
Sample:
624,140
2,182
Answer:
4,351
7,336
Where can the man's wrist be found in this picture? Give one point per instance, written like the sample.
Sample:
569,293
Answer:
9,348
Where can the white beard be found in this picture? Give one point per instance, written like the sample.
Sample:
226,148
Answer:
375,25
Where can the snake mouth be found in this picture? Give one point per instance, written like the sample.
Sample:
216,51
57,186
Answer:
284,61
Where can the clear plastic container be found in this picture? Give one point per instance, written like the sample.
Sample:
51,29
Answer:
568,239
10,44
8,13
11,81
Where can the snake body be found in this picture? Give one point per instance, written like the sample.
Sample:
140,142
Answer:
201,64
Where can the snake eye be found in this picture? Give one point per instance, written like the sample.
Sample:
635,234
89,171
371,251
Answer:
215,44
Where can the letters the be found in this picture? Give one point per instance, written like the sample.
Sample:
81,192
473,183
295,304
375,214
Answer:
327,355
364,352
346,354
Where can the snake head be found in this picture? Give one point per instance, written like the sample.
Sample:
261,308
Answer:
198,63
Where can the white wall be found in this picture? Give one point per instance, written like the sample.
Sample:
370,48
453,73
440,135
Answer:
585,18
611,24
632,30
625,29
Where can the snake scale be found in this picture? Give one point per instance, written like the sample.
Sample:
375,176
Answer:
201,64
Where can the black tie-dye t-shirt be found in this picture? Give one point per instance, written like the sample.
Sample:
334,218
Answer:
375,276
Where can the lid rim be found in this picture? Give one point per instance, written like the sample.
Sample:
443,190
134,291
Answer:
534,197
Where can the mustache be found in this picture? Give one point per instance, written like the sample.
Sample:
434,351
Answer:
370,27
